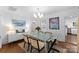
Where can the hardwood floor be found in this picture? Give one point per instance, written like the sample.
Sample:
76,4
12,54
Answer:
12,48
70,45
71,39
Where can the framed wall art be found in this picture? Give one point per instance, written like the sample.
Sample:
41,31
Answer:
19,23
54,23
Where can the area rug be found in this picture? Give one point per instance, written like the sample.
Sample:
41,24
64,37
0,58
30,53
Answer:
21,45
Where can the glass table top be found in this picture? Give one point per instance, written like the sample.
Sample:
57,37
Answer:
39,35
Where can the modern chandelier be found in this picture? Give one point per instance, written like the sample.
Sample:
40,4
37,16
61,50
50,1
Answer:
38,14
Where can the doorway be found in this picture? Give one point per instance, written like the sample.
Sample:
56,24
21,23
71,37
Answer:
71,33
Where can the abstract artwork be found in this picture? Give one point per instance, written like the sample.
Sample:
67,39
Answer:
54,23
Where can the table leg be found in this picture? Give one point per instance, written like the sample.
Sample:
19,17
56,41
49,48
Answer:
46,47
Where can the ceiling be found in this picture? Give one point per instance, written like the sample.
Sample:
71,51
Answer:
31,9
18,12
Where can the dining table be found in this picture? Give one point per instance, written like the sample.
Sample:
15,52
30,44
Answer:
41,37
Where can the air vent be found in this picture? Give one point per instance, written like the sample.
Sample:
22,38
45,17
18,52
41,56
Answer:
12,8
78,7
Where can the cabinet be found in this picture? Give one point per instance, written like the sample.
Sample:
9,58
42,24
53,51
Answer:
15,37
4,39
69,30
12,37
74,31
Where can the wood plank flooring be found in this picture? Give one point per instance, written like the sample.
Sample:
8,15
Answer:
12,48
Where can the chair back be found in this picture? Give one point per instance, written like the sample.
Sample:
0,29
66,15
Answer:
26,39
36,43
41,31
48,33
33,42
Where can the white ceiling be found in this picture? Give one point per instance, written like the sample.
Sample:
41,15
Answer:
50,9
47,10
43,9
6,13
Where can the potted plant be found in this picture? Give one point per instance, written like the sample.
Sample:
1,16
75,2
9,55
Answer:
38,28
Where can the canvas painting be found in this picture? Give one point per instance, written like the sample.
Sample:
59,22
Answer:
54,23
19,23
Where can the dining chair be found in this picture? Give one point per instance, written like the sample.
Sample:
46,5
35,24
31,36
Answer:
36,44
49,33
41,32
52,47
27,41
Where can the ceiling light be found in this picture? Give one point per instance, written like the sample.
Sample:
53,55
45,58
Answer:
38,14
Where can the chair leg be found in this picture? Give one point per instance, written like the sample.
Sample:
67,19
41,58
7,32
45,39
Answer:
24,44
53,51
49,50
28,47
31,49
48,45
38,50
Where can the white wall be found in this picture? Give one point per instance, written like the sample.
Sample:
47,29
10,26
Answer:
0,37
6,20
2,34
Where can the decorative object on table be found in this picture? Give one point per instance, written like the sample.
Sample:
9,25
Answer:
38,28
19,23
54,23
